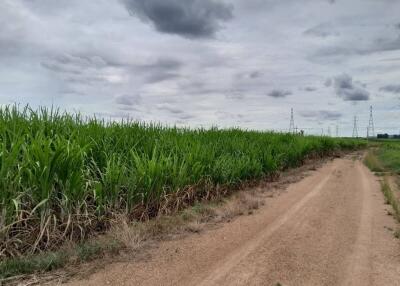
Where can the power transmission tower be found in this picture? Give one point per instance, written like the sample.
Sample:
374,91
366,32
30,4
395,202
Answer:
329,131
355,128
337,131
371,129
291,128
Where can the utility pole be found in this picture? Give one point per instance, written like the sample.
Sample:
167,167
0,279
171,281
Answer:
355,128
329,131
337,131
291,128
371,129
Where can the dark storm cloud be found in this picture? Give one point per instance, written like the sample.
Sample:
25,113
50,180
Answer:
159,76
69,63
81,73
223,115
14,31
393,88
329,115
247,77
364,40
175,112
386,45
310,88
163,64
170,108
328,82
198,87
128,100
186,116
364,85
322,31
255,74
235,94
80,69
374,46
92,69
189,18
160,70
321,115
332,51
279,93
349,90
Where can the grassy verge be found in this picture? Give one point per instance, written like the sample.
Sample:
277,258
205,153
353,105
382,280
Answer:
51,260
372,161
384,158
390,198
31,264
389,155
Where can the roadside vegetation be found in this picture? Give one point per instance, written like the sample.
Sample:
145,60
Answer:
389,156
384,159
64,177
127,237
51,260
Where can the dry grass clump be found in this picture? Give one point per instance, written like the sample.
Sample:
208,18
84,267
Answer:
372,162
240,204
135,235
131,235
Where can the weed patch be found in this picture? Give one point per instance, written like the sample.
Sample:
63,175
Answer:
372,162
30,264
390,198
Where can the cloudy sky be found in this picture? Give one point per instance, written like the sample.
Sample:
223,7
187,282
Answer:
195,63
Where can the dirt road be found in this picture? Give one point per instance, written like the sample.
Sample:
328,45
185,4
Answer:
331,228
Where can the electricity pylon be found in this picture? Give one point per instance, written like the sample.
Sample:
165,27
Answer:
291,128
355,128
371,129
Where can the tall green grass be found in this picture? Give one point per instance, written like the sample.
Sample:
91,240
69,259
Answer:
385,157
62,176
389,155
